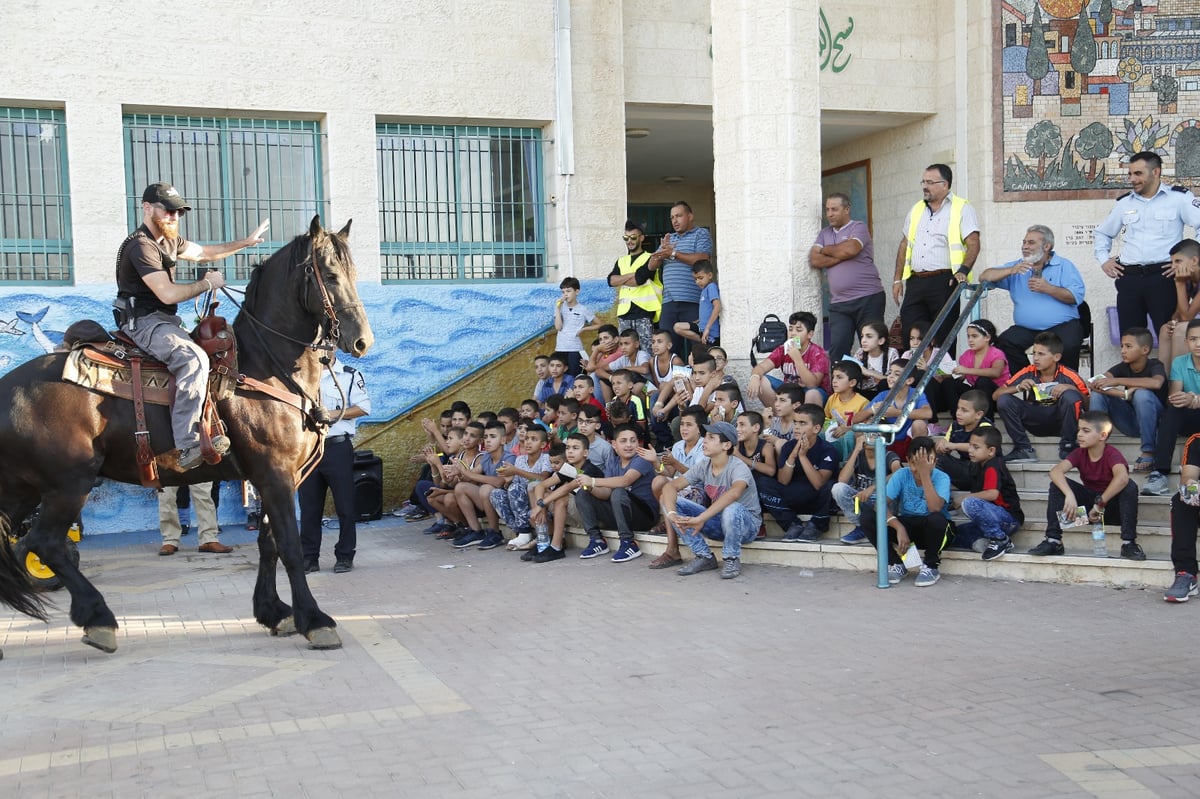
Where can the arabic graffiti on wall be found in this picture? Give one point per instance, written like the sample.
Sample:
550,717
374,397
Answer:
832,51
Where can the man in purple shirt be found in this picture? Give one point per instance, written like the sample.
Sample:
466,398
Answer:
855,290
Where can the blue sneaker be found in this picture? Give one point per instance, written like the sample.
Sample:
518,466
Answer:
595,548
438,527
855,537
468,539
491,539
626,550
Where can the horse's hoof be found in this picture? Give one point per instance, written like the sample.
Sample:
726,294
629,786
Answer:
324,638
103,638
285,627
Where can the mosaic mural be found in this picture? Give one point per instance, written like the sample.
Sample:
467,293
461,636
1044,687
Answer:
1081,85
426,336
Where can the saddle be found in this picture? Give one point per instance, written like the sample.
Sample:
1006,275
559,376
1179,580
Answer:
112,364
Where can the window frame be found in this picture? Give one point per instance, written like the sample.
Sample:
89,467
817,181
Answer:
24,245
454,247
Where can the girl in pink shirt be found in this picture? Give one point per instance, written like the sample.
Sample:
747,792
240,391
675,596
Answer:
982,365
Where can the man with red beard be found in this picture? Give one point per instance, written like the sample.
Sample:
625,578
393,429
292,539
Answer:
147,300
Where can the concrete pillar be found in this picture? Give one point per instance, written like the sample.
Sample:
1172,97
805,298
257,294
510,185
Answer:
767,173
350,184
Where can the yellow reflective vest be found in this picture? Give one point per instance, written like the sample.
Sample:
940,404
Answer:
954,238
648,296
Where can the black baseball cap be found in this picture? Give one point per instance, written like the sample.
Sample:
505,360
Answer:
165,195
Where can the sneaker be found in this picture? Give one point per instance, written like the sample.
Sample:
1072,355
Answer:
1021,455
1183,588
1156,485
547,555
468,539
438,527
491,539
452,531
792,534
810,533
896,573
732,568
595,548
419,515
855,537
1131,550
626,550
697,565
927,577
1049,546
343,565
190,458
997,548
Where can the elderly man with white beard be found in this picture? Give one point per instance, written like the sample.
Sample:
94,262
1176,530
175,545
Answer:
1046,291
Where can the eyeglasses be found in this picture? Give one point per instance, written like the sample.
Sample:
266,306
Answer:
931,182
633,237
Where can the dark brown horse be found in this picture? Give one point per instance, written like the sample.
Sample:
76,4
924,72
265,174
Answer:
57,437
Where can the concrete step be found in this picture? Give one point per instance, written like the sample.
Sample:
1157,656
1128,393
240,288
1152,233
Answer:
1152,573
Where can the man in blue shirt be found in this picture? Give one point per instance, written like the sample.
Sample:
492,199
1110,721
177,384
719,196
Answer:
1150,219
679,251
1046,291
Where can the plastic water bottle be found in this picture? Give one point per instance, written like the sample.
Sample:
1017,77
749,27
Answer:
543,537
1099,549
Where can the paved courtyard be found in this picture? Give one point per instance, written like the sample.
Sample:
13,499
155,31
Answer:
497,678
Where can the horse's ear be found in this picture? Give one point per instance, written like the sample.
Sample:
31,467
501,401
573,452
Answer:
344,233
314,229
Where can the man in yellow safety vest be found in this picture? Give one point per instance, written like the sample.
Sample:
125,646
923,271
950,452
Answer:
938,251
639,286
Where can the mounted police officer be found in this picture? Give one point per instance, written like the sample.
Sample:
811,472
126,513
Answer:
148,298
1150,220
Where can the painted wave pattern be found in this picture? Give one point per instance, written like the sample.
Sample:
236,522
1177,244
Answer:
425,338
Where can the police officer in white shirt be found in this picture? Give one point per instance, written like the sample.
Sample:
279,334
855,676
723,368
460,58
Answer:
1150,220
336,469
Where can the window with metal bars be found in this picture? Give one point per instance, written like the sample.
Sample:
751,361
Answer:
234,173
460,203
35,212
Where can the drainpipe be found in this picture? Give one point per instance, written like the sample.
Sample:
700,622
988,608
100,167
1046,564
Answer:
564,120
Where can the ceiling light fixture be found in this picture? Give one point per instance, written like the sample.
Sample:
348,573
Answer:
637,133
673,179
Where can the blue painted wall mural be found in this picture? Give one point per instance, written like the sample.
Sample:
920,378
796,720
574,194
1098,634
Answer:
426,336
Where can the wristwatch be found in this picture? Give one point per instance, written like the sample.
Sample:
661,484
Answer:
541,504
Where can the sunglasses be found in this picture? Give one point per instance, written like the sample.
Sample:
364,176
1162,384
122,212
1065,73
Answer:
633,237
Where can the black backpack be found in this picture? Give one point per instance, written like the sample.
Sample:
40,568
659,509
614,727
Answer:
772,332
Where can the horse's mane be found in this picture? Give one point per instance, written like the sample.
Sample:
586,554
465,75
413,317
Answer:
291,252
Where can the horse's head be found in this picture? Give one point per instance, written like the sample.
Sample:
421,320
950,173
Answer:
331,292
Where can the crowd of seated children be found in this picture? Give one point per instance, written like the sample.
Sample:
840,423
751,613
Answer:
1106,492
801,361
472,492
953,449
1044,398
1133,393
918,497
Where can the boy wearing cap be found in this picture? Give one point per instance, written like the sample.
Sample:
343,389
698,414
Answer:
733,514
148,298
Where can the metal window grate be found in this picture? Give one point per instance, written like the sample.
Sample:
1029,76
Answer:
460,203
234,173
35,213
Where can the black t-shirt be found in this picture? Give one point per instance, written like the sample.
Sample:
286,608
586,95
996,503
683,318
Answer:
1154,368
640,275
141,256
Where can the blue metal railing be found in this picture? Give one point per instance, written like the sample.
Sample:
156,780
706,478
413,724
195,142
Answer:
885,432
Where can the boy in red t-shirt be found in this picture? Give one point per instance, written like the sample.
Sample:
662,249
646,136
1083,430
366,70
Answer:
1106,485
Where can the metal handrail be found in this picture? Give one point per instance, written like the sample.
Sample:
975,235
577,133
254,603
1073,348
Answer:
887,430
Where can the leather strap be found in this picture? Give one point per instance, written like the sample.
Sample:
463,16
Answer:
147,468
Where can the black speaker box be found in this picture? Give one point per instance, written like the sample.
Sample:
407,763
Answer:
368,486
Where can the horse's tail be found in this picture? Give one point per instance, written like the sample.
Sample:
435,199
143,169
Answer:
16,589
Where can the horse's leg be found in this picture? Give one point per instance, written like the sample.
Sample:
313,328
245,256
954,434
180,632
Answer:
48,540
311,621
16,590
269,610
